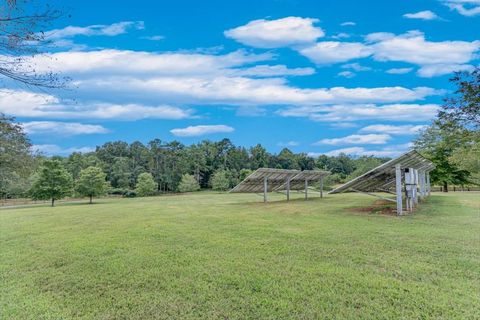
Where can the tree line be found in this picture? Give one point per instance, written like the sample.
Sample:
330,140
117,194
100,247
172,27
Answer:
452,142
132,169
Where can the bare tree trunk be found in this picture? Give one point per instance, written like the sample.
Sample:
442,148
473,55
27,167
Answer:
53,202
91,199
445,187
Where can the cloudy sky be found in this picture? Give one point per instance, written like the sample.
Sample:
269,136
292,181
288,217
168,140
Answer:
329,76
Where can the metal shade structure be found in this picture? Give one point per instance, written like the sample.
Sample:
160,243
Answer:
410,170
266,180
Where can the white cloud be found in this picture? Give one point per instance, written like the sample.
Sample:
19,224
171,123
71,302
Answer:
114,62
193,131
154,38
120,77
356,139
272,71
250,111
399,70
55,150
288,144
356,66
129,85
327,52
111,30
343,125
341,35
413,48
423,15
28,104
63,128
390,151
346,74
434,70
246,91
285,32
348,23
468,8
394,130
349,113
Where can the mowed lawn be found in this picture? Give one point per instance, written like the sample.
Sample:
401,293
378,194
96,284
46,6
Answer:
229,256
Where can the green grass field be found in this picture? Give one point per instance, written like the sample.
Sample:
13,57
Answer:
225,256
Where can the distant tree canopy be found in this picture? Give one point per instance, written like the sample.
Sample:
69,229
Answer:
452,141
157,167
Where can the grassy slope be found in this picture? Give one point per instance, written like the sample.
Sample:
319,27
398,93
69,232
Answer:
223,256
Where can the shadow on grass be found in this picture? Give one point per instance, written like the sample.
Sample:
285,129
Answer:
260,202
57,204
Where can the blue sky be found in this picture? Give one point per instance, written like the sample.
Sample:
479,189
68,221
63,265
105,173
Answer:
314,76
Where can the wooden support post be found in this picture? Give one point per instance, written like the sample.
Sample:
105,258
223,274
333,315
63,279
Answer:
265,189
288,189
321,187
306,189
398,188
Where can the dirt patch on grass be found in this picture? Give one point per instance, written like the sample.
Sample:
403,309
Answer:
381,207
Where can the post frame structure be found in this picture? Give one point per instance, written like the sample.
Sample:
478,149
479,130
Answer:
407,177
265,180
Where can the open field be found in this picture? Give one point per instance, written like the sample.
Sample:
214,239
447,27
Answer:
228,256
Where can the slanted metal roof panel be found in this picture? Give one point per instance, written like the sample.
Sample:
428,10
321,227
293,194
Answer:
383,176
276,180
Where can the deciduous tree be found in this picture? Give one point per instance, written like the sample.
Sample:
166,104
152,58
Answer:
188,184
92,183
52,182
220,181
146,186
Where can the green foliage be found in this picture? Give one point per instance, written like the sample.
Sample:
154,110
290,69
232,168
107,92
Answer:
188,184
146,186
168,162
341,164
451,142
365,164
220,181
287,160
467,158
52,182
463,109
244,173
438,145
16,161
330,181
91,183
